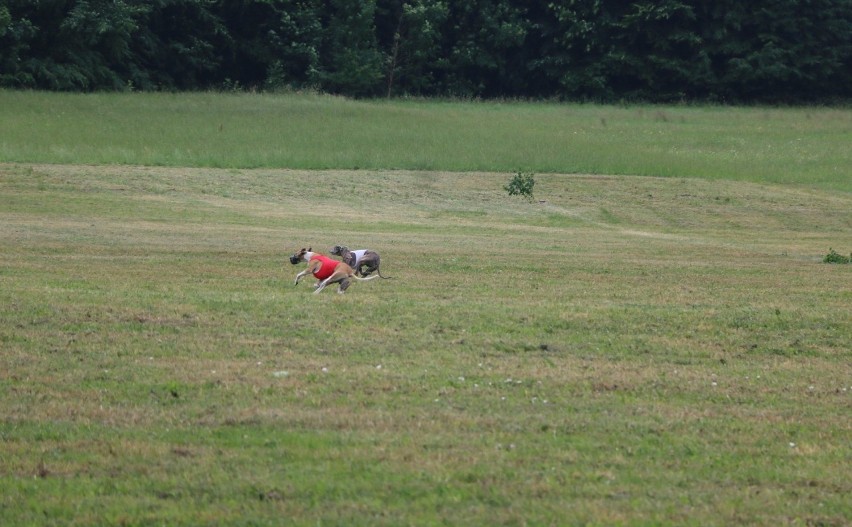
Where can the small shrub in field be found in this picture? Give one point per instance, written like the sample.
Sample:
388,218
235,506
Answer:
521,185
835,258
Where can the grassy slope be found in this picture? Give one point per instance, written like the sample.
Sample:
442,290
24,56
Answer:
633,350
803,147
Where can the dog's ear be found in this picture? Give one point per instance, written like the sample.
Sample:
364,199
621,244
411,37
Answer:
309,249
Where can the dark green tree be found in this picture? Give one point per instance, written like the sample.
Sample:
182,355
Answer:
276,42
657,52
183,45
779,50
483,43
66,45
16,34
414,52
576,47
784,51
350,61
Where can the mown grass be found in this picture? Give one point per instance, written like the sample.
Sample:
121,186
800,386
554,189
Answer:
638,351
800,146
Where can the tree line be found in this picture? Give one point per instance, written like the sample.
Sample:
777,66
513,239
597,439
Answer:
776,51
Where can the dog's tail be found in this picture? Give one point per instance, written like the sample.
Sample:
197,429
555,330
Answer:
362,279
379,273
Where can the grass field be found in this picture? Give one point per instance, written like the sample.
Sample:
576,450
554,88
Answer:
794,146
619,351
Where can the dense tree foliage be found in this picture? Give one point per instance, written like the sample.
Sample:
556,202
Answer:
655,50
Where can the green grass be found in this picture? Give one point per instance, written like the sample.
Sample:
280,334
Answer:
636,351
798,146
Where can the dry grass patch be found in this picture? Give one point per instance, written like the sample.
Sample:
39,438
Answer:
632,350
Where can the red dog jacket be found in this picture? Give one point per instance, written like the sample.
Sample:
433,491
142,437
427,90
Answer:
326,268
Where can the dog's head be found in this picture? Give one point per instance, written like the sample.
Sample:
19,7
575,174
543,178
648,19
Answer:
339,250
297,257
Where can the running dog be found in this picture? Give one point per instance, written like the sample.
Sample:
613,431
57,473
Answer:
326,270
361,258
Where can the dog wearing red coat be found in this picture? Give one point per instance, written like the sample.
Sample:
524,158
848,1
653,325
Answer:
326,270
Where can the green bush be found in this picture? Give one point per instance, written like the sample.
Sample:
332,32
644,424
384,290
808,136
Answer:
836,258
521,185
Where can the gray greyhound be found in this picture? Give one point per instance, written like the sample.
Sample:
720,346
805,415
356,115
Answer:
357,259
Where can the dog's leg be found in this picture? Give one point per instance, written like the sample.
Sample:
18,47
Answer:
344,284
312,266
321,285
337,276
371,262
300,275
375,266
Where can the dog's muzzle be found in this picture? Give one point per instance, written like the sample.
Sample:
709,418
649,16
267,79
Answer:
294,259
